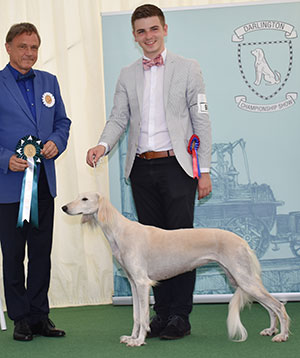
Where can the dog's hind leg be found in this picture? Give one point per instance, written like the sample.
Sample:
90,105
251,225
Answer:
249,280
278,309
273,323
247,275
261,295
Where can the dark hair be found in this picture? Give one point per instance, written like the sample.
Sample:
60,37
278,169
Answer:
147,10
19,29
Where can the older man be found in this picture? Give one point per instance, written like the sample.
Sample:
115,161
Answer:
30,107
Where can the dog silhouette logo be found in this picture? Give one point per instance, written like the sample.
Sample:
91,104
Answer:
265,59
263,69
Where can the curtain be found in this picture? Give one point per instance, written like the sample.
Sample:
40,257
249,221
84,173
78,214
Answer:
71,49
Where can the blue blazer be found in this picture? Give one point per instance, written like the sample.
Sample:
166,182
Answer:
16,121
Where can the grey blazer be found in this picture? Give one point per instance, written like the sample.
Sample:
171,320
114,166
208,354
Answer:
185,115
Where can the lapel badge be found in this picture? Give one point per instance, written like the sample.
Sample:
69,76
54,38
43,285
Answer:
48,99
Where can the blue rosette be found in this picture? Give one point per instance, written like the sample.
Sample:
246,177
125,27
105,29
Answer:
29,148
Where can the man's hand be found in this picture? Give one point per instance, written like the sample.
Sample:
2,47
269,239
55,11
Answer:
204,185
50,150
94,154
17,164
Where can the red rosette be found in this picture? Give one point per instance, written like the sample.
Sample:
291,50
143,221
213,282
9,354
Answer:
193,146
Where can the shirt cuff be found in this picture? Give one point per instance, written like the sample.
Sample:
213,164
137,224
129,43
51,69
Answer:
106,147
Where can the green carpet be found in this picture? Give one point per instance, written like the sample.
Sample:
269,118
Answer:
94,331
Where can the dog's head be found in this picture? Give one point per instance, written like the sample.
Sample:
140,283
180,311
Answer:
86,204
258,52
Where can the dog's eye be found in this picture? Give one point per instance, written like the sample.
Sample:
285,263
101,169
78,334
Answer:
85,199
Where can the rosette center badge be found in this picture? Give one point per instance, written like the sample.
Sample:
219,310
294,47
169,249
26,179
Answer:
48,99
30,147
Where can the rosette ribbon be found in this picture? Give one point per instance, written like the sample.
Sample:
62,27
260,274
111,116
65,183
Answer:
29,148
193,146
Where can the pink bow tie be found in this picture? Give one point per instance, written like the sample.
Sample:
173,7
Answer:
157,61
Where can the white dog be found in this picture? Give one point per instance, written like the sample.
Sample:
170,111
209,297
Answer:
262,69
149,254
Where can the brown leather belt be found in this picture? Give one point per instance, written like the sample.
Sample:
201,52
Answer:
155,155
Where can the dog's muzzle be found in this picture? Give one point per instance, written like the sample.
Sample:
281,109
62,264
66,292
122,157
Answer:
64,208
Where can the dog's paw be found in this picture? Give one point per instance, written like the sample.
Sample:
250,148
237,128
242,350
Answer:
269,332
125,339
280,338
132,342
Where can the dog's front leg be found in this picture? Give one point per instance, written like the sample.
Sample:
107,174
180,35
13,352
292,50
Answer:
143,296
258,76
141,322
136,315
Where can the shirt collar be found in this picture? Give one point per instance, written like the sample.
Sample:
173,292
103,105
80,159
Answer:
164,55
15,72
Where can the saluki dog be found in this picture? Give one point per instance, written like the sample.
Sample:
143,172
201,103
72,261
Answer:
149,254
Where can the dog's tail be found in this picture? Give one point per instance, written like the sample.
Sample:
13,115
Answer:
236,331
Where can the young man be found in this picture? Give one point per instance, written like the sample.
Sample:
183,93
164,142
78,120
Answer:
30,104
162,96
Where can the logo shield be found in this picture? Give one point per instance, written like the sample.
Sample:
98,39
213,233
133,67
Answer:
265,61
265,66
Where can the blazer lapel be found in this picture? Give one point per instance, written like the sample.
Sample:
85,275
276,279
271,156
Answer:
139,76
169,70
168,75
37,96
14,89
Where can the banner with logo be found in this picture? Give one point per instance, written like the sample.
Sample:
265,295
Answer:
250,58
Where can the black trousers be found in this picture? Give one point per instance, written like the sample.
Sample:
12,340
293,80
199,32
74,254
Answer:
164,197
27,299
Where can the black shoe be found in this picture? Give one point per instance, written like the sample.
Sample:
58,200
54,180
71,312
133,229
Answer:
22,331
156,326
47,328
176,328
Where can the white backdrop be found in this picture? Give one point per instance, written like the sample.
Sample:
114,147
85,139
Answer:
71,48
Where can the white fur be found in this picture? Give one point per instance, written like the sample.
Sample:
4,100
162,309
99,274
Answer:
149,254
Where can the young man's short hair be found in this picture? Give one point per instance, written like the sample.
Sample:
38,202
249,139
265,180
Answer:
147,10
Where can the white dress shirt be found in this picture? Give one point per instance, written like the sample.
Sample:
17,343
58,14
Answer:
154,135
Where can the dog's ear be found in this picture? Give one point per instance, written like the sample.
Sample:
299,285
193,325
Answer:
104,210
101,209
